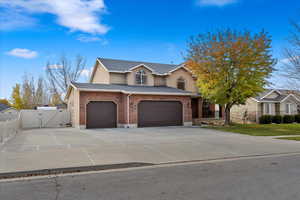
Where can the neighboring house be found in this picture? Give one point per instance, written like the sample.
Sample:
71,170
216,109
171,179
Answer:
7,109
137,94
50,107
270,102
7,112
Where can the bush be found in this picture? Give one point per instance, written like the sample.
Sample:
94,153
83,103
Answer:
288,119
297,118
265,119
277,119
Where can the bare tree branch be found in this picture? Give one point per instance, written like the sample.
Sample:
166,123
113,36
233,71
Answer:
291,63
61,74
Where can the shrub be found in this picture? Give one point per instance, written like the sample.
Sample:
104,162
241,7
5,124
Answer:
277,119
297,118
265,119
288,119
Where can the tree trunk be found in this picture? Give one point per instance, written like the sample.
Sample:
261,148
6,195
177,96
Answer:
227,115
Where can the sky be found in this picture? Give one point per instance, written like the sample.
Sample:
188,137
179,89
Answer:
34,32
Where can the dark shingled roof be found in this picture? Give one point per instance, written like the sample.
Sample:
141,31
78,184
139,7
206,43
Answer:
125,65
131,88
3,107
283,94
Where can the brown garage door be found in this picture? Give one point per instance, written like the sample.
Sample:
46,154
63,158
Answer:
159,113
101,114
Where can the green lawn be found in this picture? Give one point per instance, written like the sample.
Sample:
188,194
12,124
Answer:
261,129
289,138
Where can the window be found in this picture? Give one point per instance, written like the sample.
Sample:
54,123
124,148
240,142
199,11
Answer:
268,108
288,108
141,77
181,84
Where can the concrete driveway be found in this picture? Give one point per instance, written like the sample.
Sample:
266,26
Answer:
68,147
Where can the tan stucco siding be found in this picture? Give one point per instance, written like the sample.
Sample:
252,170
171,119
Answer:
73,107
131,76
159,80
294,104
247,112
190,84
101,75
117,78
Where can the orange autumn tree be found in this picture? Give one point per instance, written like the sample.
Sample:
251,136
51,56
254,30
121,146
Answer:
230,66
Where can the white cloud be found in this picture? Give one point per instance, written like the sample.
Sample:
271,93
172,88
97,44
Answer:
23,53
284,61
55,66
85,72
88,38
15,20
77,15
215,2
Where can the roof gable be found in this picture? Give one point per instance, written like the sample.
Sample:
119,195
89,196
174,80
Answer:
281,95
290,96
141,66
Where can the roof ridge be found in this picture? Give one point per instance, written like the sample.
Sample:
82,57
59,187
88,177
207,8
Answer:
137,61
121,85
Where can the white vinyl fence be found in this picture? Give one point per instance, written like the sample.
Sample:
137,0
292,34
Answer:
9,128
8,116
45,118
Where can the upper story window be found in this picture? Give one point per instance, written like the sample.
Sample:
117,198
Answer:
141,77
181,83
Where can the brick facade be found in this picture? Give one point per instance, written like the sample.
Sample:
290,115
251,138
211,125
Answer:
117,98
122,105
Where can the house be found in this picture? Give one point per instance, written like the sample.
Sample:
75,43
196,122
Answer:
124,93
7,109
269,102
7,112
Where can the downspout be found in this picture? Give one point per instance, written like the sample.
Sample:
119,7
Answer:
128,110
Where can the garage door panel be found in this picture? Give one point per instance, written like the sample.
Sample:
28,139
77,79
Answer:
159,113
101,114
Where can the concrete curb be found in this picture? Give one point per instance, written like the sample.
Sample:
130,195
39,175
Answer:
69,170
54,171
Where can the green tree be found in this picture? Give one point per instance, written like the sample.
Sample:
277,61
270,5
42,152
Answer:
28,92
16,97
230,66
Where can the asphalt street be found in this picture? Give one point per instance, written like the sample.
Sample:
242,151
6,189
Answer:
268,178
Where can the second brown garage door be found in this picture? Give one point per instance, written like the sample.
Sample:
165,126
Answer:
159,113
101,114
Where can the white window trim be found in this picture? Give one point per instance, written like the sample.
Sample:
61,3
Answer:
183,80
270,108
142,74
289,108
